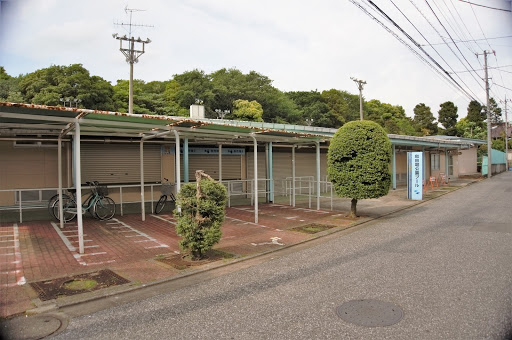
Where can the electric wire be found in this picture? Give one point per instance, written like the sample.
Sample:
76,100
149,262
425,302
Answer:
425,52
388,18
498,9
451,38
443,76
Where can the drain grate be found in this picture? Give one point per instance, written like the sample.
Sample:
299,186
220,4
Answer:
370,313
71,285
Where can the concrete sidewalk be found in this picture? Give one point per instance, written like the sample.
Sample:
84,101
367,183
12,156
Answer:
40,252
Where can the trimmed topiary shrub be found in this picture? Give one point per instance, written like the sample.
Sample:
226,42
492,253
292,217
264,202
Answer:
203,206
358,162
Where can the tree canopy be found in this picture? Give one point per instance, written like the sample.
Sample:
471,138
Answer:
448,117
424,119
225,90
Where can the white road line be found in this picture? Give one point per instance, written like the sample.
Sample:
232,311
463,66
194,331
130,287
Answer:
10,247
76,241
7,241
160,246
93,254
246,222
63,237
20,280
139,233
67,242
164,219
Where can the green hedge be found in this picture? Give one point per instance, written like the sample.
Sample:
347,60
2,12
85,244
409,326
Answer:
358,160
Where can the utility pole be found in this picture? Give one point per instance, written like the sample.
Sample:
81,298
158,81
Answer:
506,132
132,55
489,139
360,84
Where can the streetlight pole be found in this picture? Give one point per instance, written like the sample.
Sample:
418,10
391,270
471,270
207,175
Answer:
360,84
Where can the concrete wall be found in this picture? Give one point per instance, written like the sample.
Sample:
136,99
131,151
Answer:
466,162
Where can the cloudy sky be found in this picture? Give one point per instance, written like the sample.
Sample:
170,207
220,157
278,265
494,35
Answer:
300,45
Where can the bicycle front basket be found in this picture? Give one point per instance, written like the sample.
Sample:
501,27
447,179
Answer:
166,189
102,190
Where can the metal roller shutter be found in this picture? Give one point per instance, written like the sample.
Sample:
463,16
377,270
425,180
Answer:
231,166
119,163
262,165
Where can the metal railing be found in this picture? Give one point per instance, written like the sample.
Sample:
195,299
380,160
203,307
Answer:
305,187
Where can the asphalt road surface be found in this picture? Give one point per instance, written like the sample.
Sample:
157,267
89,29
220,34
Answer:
445,265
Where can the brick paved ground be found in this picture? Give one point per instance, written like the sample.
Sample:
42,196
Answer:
40,250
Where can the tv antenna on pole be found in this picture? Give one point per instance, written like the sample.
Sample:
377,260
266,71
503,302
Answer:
127,47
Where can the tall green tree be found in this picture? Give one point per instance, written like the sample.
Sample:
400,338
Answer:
190,86
424,119
448,117
391,117
247,111
9,87
342,104
470,129
495,111
46,86
314,109
358,162
476,113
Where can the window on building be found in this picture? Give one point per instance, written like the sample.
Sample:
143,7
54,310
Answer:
434,161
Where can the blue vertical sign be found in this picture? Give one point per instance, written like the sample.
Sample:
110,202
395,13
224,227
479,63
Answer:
415,175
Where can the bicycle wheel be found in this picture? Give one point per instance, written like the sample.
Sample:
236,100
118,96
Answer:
52,201
68,209
160,204
104,208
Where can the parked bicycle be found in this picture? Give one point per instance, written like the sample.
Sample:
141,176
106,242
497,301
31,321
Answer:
98,204
166,190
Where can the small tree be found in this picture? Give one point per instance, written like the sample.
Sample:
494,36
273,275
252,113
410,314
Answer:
358,162
202,214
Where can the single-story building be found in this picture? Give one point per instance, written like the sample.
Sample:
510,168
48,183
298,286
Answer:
44,148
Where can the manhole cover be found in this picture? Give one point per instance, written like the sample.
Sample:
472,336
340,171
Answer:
34,327
370,313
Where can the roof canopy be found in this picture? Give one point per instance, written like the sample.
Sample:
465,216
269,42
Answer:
18,120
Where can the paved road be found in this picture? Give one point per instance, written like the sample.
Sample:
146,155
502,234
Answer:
447,263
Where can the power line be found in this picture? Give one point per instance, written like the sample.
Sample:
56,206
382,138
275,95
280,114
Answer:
428,42
472,40
502,86
498,9
379,10
432,10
